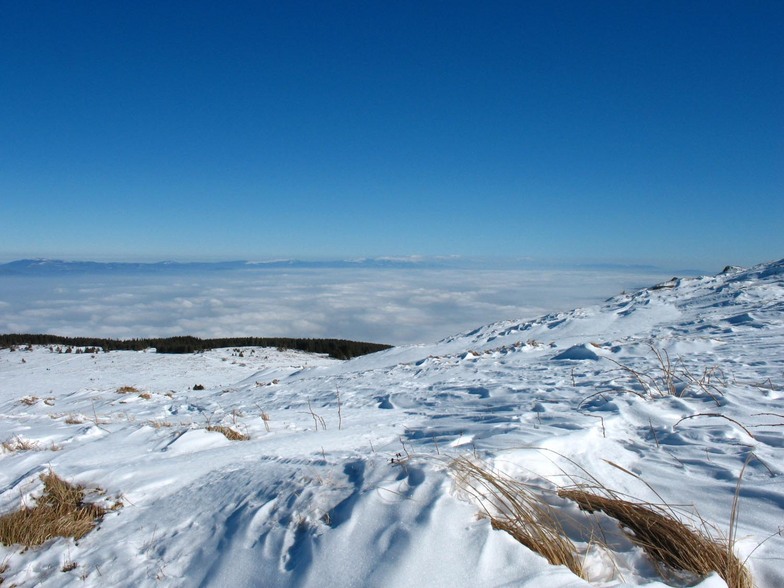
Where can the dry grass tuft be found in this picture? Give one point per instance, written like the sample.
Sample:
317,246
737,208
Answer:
229,433
127,390
155,424
18,443
73,419
514,507
266,418
59,512
29,400
145,395
665,538
668,380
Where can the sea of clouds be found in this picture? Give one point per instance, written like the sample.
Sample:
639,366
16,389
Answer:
386,305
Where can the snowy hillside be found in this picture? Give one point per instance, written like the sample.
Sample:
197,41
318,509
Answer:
347,478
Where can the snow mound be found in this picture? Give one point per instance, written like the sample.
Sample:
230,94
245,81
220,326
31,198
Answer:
578,352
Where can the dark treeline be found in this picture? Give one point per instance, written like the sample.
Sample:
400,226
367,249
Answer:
337,348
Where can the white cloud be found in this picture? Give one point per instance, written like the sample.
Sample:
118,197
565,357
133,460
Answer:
385,305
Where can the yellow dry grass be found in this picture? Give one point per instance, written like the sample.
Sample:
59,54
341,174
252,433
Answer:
18,443
229,433
127,390
157,424
59,512
515,507
664,538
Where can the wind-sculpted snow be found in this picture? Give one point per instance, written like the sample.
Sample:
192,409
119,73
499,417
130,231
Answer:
660,394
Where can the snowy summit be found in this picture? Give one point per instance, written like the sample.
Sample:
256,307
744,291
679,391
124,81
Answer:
260,467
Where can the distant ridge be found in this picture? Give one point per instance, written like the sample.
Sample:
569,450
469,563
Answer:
47,267
59,267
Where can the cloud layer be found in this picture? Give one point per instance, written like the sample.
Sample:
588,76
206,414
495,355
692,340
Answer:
393,306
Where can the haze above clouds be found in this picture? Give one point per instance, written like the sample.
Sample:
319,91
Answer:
394,306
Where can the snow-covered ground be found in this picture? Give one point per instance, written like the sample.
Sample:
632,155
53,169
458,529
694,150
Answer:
345,482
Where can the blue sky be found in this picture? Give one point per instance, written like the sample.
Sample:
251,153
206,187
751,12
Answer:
602,131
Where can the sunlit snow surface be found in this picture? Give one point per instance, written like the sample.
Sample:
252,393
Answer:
546,401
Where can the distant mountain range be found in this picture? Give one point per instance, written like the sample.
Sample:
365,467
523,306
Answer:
31,267
57,266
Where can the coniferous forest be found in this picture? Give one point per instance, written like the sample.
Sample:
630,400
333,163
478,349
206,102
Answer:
337,348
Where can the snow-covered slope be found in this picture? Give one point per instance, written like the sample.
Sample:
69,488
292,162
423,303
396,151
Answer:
664,393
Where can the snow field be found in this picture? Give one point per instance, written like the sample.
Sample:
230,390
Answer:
661,394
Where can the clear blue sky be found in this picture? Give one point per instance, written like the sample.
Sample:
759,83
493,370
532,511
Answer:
147,130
